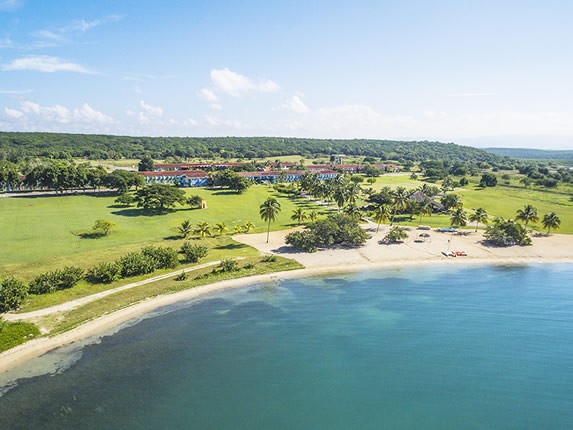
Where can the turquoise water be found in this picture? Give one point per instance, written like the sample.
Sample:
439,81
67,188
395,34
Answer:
433,348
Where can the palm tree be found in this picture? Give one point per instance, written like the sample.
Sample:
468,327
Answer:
237,229
399,200
458,218
185,228
298,215
312,216
424,208
479,215
269,210
527,214
353,190
203,229
451,201
352,211
551,221
248,226
381,214
221,228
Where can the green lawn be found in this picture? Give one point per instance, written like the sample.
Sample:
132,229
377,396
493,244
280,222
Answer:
41,233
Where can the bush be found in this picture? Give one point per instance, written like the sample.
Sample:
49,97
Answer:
104,273
228,265
507,233
193,253
396,235
195,202
338,229
181,277
162,258
12,293
269,258
56,280
135,263
249,266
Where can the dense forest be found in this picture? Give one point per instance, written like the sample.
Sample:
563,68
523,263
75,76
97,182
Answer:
532,154
16,146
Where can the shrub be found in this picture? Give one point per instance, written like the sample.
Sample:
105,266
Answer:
396,235
193,253
507,233
195,202
135,263
182,276
228,265
271,258
249,266
104,273
56,280
12,293
162,258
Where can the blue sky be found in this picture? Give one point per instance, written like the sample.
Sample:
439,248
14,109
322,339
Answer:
484,73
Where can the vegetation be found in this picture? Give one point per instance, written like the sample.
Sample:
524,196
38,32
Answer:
527,214
194,253
338,229
396,235
14,333
57,280
12,293
102,227
478,216
159,197
507,233
551,221
268,211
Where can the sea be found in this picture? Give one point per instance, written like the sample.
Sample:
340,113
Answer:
454,347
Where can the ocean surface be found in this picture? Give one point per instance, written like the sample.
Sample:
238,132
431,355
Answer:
478,347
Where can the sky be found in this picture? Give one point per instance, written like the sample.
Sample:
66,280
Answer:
481,73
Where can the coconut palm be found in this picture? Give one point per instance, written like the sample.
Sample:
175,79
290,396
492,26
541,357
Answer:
353,190
268,211
424,208
451,201
298,215
479,215
381,214
203,229
221,228
185,228
458,217
551,221
248,226
312,216
527,214
399,200
352,211
237,229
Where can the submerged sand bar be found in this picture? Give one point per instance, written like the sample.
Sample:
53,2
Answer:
550,249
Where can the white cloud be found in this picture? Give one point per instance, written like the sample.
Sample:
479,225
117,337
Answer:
213,121
13,113
151,110
44,63
208,95
295,104
14,92
235,84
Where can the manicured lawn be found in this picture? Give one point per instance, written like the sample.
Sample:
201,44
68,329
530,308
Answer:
15,333
41,233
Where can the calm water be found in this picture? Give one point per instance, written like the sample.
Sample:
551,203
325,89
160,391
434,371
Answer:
479,347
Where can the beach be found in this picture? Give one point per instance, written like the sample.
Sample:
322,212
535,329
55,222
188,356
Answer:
414,251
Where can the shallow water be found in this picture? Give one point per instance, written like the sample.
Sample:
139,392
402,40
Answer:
476,347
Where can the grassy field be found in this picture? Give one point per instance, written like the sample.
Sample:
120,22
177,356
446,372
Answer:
41,233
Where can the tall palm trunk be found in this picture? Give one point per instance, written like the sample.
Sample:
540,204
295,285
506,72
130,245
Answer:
268,230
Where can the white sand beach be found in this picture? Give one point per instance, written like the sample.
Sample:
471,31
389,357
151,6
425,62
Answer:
553,248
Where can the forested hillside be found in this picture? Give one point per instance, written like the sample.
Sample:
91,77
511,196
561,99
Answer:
532,154
14,146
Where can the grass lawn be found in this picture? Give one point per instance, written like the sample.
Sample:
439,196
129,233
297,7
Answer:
15,333
41,233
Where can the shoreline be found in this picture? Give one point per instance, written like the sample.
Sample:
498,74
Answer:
369,257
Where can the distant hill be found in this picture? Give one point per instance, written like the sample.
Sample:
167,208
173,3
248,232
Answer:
58,145
532,154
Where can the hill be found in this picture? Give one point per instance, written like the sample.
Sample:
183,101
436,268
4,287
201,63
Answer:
532,154
17,145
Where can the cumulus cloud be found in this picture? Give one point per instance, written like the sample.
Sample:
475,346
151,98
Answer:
151,110
295,104
57,114
208,95
44,63
236,85
13,113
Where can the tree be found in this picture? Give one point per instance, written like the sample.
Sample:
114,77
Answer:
479,215
506,233
203,229
102,227
399,200
195,202
423,208
381,214
451,201
104,273
145,164
12,293
448,184
159,197
185,228
125,200
551,221
458,218
527,214
298,215
488,180
221,228
312,215
268,211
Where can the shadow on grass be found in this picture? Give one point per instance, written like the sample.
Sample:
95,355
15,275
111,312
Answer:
231,246
91,235
174,237
226,193
141,212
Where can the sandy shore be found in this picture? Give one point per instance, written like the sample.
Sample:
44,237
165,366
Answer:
554,248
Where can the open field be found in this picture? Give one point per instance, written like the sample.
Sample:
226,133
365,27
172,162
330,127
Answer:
42,233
